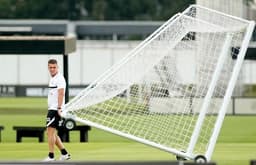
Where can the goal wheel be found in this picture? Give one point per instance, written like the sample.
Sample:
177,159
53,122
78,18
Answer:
200,159
69,124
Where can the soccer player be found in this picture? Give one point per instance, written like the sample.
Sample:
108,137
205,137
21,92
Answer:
56,100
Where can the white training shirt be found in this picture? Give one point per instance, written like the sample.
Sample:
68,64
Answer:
55,83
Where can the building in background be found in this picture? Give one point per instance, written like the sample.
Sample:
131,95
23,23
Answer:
233,7
93,57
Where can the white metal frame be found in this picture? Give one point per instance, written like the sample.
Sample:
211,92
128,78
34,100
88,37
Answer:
231,85
189,154
138,48
206,102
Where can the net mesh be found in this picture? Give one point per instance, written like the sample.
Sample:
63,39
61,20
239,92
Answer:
157,91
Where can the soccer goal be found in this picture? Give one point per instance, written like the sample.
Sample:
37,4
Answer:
173,89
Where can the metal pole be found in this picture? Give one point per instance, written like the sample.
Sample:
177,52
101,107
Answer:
229,90
62,132
207,99
65,73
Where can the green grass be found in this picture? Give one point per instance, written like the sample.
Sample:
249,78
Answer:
23,105
225,153
236,143
85,151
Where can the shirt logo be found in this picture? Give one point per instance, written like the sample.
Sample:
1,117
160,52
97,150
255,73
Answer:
52,87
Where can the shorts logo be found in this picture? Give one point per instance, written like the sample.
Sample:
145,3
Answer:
50,122
48,119
60,123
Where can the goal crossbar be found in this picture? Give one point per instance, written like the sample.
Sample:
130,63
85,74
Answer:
126,58
131,54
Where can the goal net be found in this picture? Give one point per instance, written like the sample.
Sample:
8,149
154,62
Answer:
173,89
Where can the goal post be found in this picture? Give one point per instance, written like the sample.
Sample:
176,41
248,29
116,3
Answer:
172,91
206,103
231,85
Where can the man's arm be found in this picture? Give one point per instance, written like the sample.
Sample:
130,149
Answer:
60,99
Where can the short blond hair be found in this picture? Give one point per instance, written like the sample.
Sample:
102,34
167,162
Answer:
52,61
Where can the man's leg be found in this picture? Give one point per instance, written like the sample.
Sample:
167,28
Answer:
51,140
60,145
50,124
58,142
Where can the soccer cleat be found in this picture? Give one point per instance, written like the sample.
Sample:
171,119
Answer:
48,159
65,157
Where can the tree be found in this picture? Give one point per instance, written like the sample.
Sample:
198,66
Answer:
92,9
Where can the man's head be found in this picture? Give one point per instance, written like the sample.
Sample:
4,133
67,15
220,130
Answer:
53,67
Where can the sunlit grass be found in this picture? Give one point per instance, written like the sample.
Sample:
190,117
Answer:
236,143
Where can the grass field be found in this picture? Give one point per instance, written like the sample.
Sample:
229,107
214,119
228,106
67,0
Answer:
236,144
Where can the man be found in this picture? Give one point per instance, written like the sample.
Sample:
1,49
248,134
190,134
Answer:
56,100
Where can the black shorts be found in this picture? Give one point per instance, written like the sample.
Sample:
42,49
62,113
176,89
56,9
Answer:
53,119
